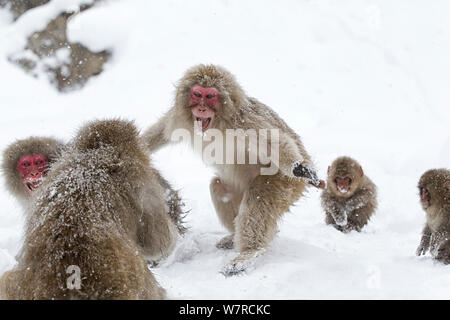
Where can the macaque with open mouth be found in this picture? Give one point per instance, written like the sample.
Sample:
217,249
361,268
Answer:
249,204
26,163
350,197
101,209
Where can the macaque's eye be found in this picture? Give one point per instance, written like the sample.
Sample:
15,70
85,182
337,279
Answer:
197,94
26,164
348,180
209,96
39,162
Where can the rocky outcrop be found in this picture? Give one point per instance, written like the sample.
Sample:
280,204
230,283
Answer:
68,65
19,7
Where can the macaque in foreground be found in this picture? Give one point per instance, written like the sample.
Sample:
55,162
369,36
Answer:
350,198
100,211
249,204
434,191
25,164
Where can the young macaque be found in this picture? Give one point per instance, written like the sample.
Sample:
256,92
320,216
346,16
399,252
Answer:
26,162
434,191
249,204
97,216
350,198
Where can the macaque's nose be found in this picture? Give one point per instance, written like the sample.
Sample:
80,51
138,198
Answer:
34,174
202,108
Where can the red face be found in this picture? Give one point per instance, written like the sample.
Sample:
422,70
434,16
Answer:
32,168
425,197
204,103
343,184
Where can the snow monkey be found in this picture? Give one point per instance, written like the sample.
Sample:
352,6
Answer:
434,191
350,198
100,210
26,162
249,204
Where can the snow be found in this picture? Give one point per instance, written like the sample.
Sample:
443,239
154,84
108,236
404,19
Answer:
367,79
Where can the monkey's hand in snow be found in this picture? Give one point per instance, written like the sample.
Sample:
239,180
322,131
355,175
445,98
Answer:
423,247
302,171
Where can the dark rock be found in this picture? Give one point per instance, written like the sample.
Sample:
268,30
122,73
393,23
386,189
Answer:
19,7
69,65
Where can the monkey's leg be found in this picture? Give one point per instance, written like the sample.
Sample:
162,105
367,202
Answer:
11,286
443,252
329,220
265,201
360,217
226,202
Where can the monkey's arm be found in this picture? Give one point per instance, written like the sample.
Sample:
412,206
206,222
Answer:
158,233
425,241
289,154
334,211
156,136
358,201
294,162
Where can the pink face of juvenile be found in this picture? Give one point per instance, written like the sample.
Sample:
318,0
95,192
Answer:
204,103
32,168
343,184
425,197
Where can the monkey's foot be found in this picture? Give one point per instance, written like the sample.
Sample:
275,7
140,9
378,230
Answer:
226,242
244,262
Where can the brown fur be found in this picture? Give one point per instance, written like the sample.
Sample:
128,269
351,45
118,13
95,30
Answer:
174,203
52,148
99,205
436,233
352,210
49,147
254,203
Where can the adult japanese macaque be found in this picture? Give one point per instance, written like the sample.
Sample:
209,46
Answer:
26,162
434,191
248,200
350,198
98,214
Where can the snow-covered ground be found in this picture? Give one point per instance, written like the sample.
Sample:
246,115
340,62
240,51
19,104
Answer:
368,79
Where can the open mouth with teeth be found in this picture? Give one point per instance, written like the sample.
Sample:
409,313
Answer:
204,123
32,185
343,190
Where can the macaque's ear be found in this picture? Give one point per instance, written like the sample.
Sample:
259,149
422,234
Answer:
447,188
329,169
361,171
